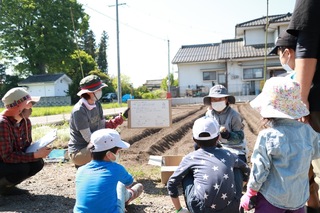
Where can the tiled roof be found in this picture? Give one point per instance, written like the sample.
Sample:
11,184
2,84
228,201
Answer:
153,82
199,52
42,78
233,48
262,21
230,48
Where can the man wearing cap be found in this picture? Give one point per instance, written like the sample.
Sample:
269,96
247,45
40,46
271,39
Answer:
15,136
87,117
231,126
207,174
285,48
103,185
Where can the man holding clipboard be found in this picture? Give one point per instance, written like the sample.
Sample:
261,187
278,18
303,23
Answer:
16,165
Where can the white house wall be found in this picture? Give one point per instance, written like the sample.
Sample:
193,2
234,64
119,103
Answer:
190,76
257,36
234,78
45,89
61,87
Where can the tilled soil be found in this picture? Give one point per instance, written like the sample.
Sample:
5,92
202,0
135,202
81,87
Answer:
53,189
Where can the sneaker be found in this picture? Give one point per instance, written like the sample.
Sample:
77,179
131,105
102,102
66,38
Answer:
135,191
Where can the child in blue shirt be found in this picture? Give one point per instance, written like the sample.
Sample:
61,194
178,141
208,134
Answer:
103,185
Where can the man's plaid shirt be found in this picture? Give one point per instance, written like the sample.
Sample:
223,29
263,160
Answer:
14,139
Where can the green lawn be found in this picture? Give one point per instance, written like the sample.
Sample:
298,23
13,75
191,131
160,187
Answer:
54,110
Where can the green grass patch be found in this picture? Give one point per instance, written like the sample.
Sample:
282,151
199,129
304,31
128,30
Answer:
55,110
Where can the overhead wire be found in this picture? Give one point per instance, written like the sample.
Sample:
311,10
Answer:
152,16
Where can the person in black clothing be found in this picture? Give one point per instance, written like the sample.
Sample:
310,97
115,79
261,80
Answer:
304,25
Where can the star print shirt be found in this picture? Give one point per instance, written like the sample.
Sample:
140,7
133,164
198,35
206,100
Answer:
212,169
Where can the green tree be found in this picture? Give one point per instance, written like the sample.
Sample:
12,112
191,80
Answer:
164,83
41,33
126,85
102,54
8,82
89,43
77,72
140,91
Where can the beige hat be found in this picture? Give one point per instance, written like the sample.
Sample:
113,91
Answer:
16,96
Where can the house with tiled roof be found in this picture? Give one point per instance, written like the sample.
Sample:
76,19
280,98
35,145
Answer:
47,85
242,64
153,84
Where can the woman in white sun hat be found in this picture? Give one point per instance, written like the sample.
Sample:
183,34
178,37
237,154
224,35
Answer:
283,150
15,137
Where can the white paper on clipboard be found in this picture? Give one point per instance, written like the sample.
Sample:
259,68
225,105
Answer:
42,142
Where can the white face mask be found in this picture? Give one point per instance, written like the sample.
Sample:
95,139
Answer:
285,66
98,94
116,157
218,106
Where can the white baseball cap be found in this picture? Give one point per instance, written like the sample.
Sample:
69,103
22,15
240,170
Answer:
105,139
205,124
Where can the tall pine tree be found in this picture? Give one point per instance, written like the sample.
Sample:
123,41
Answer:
102,54
89,43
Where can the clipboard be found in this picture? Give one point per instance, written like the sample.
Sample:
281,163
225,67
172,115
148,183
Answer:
42,142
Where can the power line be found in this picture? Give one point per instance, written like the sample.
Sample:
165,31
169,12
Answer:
126,24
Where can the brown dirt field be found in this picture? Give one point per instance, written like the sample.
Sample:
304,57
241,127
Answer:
53,189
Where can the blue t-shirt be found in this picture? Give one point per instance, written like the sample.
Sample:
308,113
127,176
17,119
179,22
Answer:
96,186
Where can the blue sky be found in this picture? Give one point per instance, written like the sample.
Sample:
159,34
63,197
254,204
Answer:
147,25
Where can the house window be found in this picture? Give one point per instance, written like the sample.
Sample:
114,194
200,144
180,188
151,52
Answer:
253,73
207,76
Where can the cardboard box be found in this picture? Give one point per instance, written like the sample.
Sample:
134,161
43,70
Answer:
168,163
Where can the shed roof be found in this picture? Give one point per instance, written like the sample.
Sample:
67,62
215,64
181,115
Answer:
43,78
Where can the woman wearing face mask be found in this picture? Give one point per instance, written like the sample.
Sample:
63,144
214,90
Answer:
231,126
87,117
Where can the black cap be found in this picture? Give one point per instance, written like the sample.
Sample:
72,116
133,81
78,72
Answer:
284,40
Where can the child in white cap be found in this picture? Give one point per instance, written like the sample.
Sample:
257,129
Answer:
207,174
103,185
283,150
232,135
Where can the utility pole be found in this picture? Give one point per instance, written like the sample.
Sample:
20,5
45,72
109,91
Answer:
118,52
266,45
169,80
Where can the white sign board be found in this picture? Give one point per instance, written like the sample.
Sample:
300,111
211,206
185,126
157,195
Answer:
155,113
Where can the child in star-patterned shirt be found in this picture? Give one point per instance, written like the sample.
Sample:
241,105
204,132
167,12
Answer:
206,174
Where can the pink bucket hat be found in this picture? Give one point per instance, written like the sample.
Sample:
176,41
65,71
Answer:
280,98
